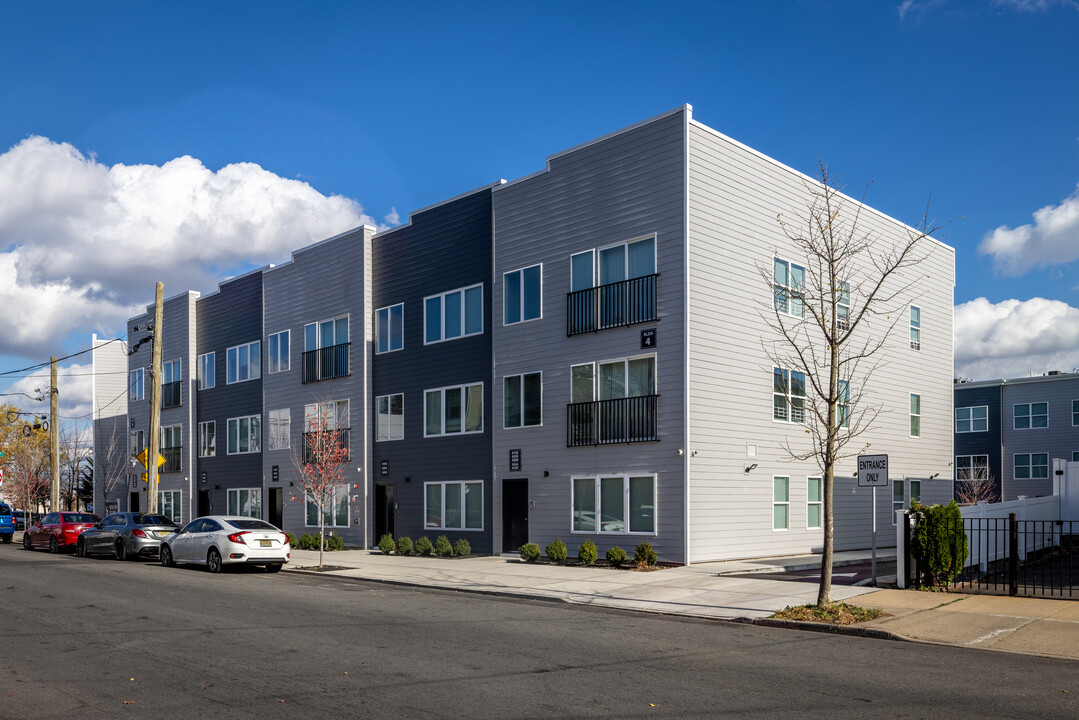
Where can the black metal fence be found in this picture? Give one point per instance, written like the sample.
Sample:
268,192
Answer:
621,303
325,363
319,445
603,422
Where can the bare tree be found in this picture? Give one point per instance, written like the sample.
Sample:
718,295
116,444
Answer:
76,447
320,462
831,319
111,463
980,487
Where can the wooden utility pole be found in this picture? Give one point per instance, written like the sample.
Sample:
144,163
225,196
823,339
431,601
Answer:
54,442
154,441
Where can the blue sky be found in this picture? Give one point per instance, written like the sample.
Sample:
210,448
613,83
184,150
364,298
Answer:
383,109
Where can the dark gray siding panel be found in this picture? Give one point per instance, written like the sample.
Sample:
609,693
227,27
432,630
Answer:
982,443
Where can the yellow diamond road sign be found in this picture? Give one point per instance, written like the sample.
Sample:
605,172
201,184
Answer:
141,457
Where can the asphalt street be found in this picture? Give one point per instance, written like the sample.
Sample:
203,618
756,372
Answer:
96,638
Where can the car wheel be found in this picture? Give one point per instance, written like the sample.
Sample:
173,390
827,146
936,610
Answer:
273,567
166,556
80,548
26,542
9,538
120,550
54,546
213,561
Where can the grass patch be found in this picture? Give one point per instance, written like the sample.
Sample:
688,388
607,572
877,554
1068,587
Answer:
834,614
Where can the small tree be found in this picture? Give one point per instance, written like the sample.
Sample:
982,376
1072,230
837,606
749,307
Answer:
320,463
110,464
76,448
981,488
26,459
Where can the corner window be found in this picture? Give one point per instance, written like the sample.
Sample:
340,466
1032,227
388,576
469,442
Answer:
522,295
245,435
244,362
789,286
390,417
788,395
136,386
781,502
915,327
206,371
246,502
277,346
453,410
335,512
453,505
1028,416
280,429
207,438
814,503
1032,466
522,400
390,328
915,415
972,419
451,315
614,504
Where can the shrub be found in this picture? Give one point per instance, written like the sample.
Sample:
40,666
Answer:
308,542
938,544
530,552
556,551
587,553
292,541
386,544
443,547
616,556
645,555
424,546
462,547
404,545
334,542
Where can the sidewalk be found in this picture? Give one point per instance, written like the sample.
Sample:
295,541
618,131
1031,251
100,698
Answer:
729,591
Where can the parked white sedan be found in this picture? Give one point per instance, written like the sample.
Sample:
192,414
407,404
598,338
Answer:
219,540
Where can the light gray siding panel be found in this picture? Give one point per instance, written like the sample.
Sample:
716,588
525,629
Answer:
1059,440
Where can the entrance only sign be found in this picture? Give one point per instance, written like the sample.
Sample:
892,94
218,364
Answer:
872,471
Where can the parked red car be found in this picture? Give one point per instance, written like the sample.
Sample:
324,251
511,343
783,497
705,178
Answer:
58,531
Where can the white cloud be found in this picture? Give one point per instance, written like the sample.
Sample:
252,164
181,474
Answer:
1033,5
83,243
74,399
1013,338
1052,239
392,218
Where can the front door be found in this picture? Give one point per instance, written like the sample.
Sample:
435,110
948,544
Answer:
514,514
385,504
204,501
133,502
277,514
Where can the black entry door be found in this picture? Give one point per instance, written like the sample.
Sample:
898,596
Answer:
514,514
133,502
204,501
277,507
385,503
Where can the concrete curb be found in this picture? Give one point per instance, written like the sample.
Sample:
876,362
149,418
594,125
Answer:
852,630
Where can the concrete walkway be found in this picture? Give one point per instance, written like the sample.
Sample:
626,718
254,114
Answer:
729,591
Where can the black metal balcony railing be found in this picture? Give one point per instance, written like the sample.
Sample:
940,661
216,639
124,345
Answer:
311,445
170,395
325,363
603,422
614,305
172,457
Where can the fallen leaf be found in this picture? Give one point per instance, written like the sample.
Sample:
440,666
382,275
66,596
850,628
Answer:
282,701
651,704
693,668
132,679
129,702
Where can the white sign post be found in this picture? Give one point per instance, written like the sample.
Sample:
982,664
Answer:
873,472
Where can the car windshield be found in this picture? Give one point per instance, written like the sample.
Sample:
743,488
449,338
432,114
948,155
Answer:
79,517
251,525
152,520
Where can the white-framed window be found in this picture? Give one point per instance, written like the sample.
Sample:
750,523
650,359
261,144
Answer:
972,419
330,415
898,498
336,511
915,327
390,417
454,314
618,262
613,379
325,333
136,385
280,429
246,502
623,504
390,328
168,504
170,371
842,307
788,395
136,442
915,491
971,467
1027,416
1031,466
172,436
453,410
789,285
170,383
1075,413
453,505
843,407
277,356
207,438
915,415
245,435
781,502
814,503
244,362
522,400
207,378
522,295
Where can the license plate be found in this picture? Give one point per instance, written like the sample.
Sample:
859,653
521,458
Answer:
265,543
163,533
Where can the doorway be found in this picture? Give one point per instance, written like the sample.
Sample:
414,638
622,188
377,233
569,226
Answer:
204,501
133,502
277,509
385,506
514,514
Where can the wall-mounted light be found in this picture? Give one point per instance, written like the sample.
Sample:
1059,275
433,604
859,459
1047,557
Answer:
751,467
934,475
546,473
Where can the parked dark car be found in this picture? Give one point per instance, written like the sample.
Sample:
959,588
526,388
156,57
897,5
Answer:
24,518
58,530
125,535
7,526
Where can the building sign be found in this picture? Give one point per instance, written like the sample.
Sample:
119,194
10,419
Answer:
384,468
872,471
515,460
275,473
648,339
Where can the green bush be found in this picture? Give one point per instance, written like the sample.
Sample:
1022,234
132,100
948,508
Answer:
386,544
645,555
939,544
443,548
292,541
530,552
462,547
404,545
616,556
587,553
308,542
334,542
556,551
424,546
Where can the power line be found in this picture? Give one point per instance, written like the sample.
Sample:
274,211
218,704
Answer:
66,357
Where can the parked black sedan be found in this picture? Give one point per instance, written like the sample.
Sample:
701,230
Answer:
126,535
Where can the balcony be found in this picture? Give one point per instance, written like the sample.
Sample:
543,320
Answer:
325,363
622,303
605,422
312,449
170,395
172,457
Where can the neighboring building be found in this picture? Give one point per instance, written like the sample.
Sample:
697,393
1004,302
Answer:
109,400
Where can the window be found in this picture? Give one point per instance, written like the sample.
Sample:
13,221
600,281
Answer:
613,402
390,328
280,428
246,502
788,395
915,415
170,372
390,417
621,291
972,419
814,503
172,450
136,387
326,431
898,496
277,359
971,467
244,362
170,384
1075,413
789,281
245,435
137,442
168,504
453,505
843,407
458,313
915,328
781,502
336,508
1031,415
842,307
522,400
915,491
522,292
326,346
206,371
1032,466
453,410
1075,455
614,504
207,438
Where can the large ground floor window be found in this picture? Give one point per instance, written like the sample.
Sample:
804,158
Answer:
614,504
336,511
246,502
453,505
168,504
